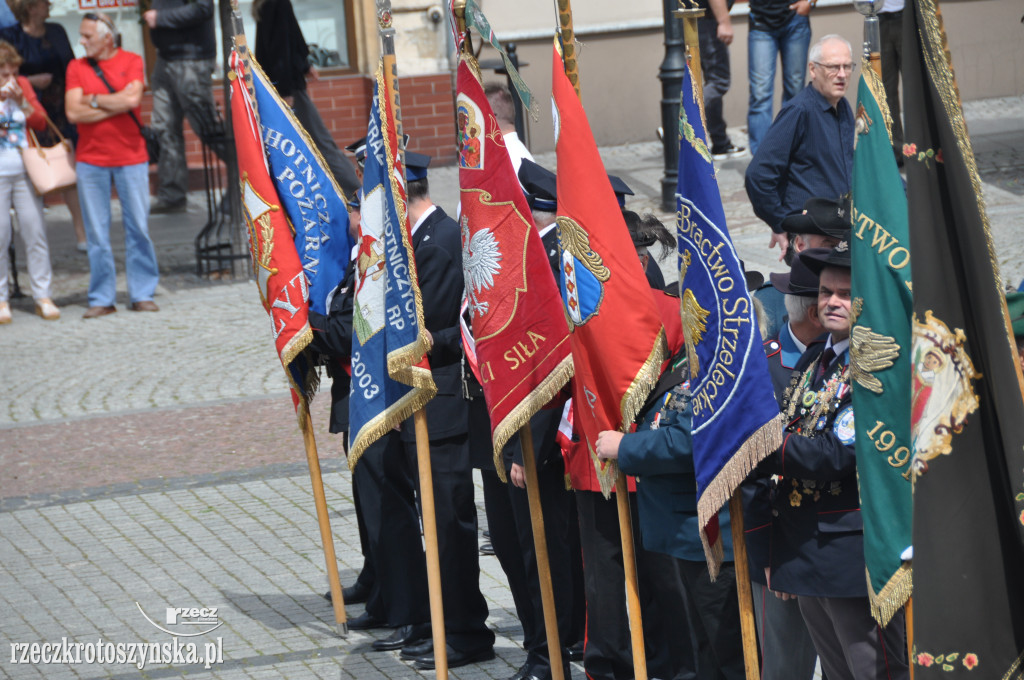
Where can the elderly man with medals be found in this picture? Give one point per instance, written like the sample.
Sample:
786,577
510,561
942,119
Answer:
817,542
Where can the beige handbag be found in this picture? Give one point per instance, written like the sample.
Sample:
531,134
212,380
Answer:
49,167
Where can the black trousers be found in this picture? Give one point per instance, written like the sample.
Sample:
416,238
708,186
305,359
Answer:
465,610
714,63
555,503
386,495
607,653
715,619
366,576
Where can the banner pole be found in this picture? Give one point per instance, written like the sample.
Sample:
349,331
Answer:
430,538
323,519
746,600
305,420
572,70
636,625
540,547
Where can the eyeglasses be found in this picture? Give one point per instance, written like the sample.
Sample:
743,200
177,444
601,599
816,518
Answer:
833,69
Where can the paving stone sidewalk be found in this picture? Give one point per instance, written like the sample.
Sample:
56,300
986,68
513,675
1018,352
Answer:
154,458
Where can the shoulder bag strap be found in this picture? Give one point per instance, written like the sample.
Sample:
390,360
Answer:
99,74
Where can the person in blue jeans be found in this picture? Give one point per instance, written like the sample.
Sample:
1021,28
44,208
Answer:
111,151
779,29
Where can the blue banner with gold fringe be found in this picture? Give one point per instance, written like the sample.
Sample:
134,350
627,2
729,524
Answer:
390,376
736,420
311,198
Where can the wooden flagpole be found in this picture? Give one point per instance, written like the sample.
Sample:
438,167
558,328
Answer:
739,545
636,626
430,538
387,38
323,519
540,547
305,420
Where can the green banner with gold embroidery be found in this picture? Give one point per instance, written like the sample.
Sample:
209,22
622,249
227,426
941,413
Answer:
880,351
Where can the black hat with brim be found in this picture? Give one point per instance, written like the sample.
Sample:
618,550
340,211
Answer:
799,280
820,216
540,186
837,257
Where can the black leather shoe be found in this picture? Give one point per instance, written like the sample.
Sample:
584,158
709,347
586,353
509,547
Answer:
486,548
356,593
456,658
575,653
524,671
414,651
403,635
366,622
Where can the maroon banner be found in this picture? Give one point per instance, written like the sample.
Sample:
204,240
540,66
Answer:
520,336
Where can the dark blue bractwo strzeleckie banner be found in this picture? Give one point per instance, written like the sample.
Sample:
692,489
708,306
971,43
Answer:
736,419
314,203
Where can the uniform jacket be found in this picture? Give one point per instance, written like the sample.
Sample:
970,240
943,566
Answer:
816,542
437,246
660,455
332,337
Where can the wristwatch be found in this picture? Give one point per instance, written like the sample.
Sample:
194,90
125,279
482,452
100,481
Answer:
93,103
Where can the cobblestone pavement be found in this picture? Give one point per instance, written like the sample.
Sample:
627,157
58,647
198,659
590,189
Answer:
153,460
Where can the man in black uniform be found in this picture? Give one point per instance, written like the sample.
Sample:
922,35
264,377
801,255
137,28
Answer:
393,580
816,549
437,245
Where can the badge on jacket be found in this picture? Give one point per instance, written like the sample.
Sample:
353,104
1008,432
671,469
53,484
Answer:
843,427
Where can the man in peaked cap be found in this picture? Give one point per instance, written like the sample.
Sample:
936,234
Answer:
437,246
816,546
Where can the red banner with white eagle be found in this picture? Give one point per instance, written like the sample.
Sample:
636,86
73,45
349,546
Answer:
279,276
618,342
520,337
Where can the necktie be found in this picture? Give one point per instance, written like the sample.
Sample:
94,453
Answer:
826,360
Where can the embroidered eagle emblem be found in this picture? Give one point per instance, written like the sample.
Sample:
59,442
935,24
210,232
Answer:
481,262
871,352
694,319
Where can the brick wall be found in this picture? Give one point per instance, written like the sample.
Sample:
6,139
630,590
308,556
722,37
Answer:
428,114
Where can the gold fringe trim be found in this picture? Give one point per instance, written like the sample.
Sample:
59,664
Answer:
401,359
893,595
759,445
632,401
520,416
385,421
1016,671
939,62
877,89
715,554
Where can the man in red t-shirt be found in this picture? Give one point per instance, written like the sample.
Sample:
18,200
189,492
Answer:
103,93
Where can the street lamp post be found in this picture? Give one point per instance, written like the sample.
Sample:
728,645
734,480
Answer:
670,73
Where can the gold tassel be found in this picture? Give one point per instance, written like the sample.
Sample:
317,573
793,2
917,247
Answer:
521,414
762,443
893,595
386,421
